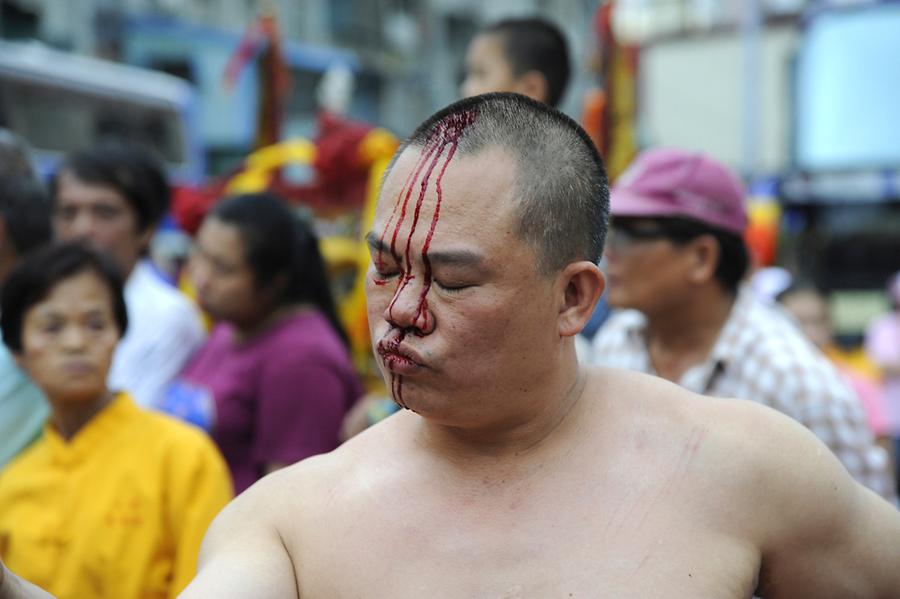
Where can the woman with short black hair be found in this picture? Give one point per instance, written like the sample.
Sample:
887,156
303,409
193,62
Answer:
112,500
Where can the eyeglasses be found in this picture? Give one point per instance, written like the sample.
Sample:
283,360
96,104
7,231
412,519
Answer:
621,239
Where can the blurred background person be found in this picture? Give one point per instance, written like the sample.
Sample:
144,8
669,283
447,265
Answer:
24,225
15,161
275,379
675,265
809,309
528,56
882,344
113,197
113,500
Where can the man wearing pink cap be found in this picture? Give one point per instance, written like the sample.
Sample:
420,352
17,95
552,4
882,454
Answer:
676,261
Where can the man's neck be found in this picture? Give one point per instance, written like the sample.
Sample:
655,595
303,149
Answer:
684,335
539,416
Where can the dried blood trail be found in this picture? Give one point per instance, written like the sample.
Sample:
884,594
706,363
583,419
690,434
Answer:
440,146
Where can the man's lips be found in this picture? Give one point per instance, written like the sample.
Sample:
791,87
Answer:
392,350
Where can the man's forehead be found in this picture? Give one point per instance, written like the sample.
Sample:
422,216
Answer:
475,200
490,167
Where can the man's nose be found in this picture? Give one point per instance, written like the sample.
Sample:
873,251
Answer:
409,307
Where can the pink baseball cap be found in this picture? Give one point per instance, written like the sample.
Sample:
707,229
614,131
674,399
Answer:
669,182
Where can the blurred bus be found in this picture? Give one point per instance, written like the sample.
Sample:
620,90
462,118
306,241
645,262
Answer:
60,102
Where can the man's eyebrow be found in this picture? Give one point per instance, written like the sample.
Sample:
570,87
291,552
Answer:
458,257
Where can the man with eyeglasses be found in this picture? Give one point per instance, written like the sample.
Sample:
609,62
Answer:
675,263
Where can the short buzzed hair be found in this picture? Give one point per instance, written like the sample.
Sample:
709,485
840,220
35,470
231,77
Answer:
562,189
535,44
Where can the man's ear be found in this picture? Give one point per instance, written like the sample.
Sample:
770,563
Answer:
532,84
581,285
704,258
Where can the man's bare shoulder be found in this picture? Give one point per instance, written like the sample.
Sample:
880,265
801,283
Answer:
782,489
658,405
256,544
738,421
742,446
318,481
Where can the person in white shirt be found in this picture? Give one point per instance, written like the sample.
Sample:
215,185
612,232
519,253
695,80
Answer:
113,197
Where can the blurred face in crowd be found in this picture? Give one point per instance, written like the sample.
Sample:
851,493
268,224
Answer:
68,339
225,284
645,269
487,68
100,216
810,311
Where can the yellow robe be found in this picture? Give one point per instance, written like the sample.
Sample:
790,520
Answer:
118,511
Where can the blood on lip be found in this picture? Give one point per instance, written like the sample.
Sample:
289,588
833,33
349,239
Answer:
393,358
390,350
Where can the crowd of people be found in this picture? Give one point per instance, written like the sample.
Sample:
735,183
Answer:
702,442
126,426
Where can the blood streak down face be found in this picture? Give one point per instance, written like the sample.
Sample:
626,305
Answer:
440,147
456,305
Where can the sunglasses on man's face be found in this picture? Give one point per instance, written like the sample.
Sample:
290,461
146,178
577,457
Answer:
624,234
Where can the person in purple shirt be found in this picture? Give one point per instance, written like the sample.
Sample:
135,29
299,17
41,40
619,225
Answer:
274,380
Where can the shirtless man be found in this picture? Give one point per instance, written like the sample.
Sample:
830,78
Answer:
515,472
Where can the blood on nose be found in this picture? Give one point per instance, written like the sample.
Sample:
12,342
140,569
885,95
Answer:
409,306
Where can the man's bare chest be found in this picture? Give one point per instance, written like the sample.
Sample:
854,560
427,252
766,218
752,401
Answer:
561,551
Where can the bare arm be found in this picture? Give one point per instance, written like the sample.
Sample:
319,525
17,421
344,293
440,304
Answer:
243,554
13,587
825,534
